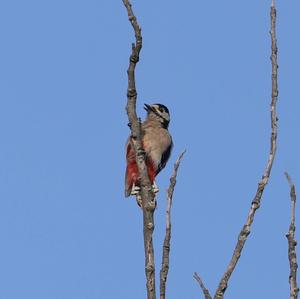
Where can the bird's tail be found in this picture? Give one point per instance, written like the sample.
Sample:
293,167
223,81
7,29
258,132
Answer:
131,177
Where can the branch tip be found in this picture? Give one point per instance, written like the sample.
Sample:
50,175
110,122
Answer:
266,176
166,245
202,286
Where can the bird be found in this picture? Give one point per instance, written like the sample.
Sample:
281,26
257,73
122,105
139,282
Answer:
157,144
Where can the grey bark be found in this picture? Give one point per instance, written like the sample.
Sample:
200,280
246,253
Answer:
202,286
294,290
146,193
166,246
242,238
265,178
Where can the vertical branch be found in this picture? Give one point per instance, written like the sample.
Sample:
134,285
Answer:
265,178
166,246
292,243
148,199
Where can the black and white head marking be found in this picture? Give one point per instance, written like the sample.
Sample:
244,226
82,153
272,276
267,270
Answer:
159,110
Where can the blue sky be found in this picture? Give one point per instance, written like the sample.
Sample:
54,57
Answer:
66,230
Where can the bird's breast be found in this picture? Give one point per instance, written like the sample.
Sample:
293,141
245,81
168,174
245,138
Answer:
156,141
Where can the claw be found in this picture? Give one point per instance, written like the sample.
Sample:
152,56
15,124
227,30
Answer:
135,190
155,187
139,200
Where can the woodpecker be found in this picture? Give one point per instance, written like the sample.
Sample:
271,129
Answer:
157,143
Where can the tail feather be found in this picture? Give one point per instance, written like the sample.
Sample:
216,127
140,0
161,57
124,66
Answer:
131,177
127,192
128,186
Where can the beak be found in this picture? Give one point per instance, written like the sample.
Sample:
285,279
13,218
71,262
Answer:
148,107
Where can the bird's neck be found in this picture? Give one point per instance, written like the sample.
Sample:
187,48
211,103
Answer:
152,122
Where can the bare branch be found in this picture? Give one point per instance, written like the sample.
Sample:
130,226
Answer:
166,247
147,195
273,3
265,178
202,286
292,243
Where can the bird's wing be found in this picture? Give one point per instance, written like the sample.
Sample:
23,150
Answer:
165,157
130,167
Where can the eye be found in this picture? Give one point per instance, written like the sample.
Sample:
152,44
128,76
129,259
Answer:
161,109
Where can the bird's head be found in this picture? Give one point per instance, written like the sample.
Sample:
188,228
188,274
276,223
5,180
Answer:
159,113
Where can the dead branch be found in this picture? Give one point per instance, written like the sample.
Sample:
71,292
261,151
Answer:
148,199
292,243
202,286
166,246
265,178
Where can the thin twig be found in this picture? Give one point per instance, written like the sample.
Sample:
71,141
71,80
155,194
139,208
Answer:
147,195
292,243
265,178
202,286
273,3
166,246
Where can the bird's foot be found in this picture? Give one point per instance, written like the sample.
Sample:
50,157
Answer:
155,187
139,200
135,190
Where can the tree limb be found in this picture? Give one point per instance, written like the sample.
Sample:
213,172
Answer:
166,246
292,243
146,193
265,178
202,286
